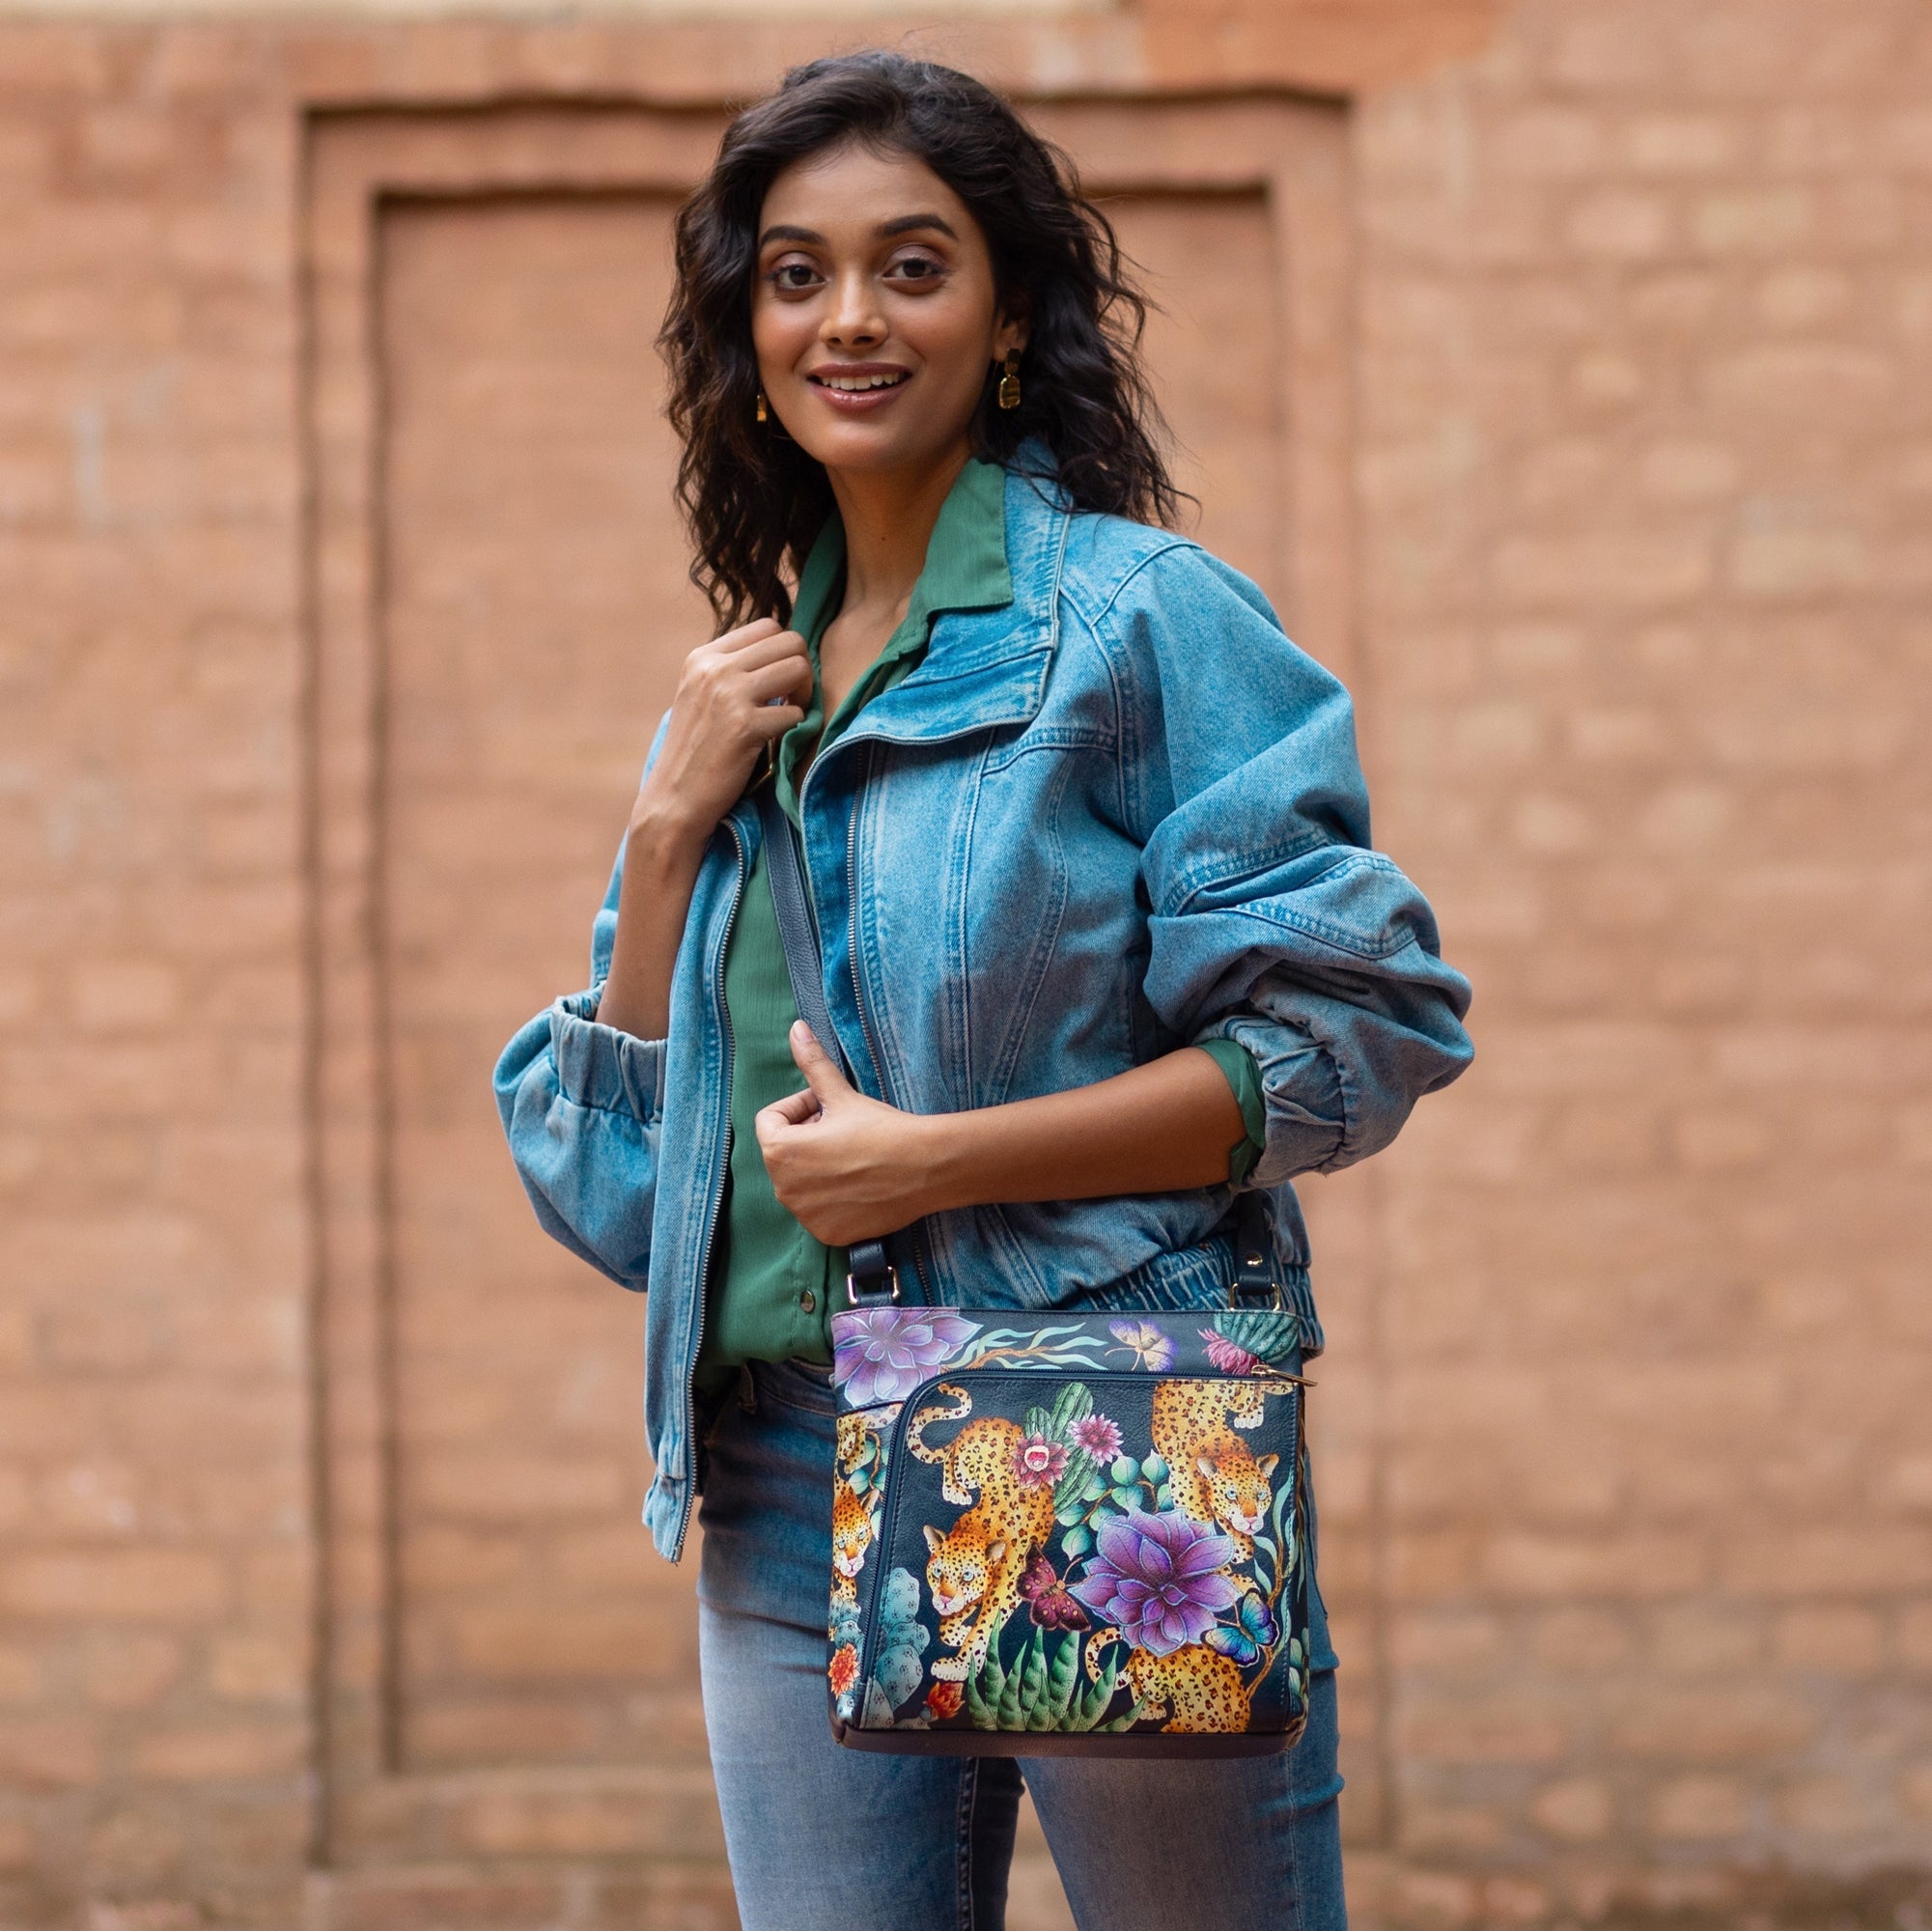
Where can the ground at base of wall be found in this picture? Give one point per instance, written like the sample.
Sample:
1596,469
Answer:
1415,1899
672,1898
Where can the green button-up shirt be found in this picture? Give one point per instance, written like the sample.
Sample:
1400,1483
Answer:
773,1287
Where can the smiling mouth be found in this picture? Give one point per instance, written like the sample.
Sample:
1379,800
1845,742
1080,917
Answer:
858,385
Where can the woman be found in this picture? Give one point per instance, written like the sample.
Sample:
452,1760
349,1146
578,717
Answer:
1103,943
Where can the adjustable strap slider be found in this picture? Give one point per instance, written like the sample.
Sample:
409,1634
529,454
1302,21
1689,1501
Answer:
1255,1284
871,1280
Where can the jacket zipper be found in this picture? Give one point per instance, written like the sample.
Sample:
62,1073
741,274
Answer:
852,918
716,1202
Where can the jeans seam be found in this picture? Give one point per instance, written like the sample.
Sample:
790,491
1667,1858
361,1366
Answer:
1300,1907
969,1801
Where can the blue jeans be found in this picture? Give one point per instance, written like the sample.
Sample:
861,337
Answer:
822,1838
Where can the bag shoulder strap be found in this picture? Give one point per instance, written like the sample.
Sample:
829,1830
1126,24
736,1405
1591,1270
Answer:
871,1276
798,926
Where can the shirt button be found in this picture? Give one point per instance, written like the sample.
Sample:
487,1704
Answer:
808,1300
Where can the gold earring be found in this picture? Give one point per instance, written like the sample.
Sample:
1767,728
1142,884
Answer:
1007,395
763,407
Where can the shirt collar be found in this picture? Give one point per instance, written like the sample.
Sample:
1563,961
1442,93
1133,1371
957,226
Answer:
965,567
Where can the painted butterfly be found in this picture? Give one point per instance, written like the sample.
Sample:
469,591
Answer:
1047,1602
1255,1629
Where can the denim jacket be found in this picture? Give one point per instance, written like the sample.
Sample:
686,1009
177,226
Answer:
1118,815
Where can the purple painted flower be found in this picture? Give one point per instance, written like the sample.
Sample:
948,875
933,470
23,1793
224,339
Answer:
1099,1437
1038,1461
1158,1578
883,1354
1149,1346
1227,1357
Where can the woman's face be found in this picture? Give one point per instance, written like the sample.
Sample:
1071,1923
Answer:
875,318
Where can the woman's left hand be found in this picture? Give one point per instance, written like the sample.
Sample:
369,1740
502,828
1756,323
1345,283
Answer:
848,1167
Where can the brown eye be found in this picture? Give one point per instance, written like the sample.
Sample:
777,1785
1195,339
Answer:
792,276
918,269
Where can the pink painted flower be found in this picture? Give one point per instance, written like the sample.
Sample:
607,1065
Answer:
1099,1437
1038,1461
1226,1356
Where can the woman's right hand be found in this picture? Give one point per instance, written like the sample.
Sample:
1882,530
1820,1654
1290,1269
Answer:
738,694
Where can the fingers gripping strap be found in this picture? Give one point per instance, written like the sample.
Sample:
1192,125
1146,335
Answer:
869,1263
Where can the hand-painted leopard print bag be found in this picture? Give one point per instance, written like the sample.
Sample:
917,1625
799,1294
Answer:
1069,1533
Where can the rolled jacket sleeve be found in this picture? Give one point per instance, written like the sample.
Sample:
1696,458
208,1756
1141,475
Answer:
1273,924
581,1106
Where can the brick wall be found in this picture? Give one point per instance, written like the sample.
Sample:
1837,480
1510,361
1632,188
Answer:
156,1566
1647,468
1644,466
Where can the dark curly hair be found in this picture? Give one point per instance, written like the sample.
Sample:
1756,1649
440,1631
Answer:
755,500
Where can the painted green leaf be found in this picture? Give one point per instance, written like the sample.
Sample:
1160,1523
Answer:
984,1690
1074,1404
1154,1468
1061,1677
1124,1468
1077,1541
1009,1714
1033,1684
1099,1694
1272,1337
1067,1490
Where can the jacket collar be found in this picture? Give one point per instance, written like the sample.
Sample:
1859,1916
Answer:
988,667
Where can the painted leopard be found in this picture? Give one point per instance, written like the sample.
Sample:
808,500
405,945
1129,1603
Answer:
1217,1478
856,1514
1193,1686
853,1530
975,1566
